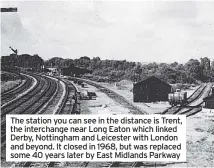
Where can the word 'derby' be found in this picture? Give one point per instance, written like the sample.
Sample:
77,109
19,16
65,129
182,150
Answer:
127,138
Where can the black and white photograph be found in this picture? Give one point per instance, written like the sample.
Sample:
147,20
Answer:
105,57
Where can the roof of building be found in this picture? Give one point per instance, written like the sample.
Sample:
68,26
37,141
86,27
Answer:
146,80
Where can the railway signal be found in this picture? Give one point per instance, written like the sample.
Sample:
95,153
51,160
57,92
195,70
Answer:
14,50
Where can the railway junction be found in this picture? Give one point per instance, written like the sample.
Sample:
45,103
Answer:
40,93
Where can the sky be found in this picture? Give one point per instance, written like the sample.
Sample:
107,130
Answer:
143,31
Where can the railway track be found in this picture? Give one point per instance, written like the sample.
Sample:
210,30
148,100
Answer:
195,106
70,89
13,93
191,111
196,94
188,111
191,108
14,106
51,105
120,99
65,108
29,103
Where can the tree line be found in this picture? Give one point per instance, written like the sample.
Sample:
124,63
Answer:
13,61
194,71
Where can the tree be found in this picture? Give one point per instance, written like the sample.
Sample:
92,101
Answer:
194,69
174,64
211,73
138,71
212,66
205,65
180,67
